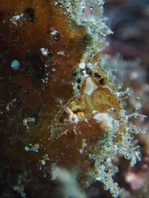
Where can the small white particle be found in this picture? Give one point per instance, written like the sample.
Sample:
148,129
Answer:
43,163
53,69
84,145
45,158
14,19
85,75
62,53
8,107
33,148
26,120
82,65
44,51
54,32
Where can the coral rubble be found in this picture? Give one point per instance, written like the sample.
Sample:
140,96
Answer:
59,110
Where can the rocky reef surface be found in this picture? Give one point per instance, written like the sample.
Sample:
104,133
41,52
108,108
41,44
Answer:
62,121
